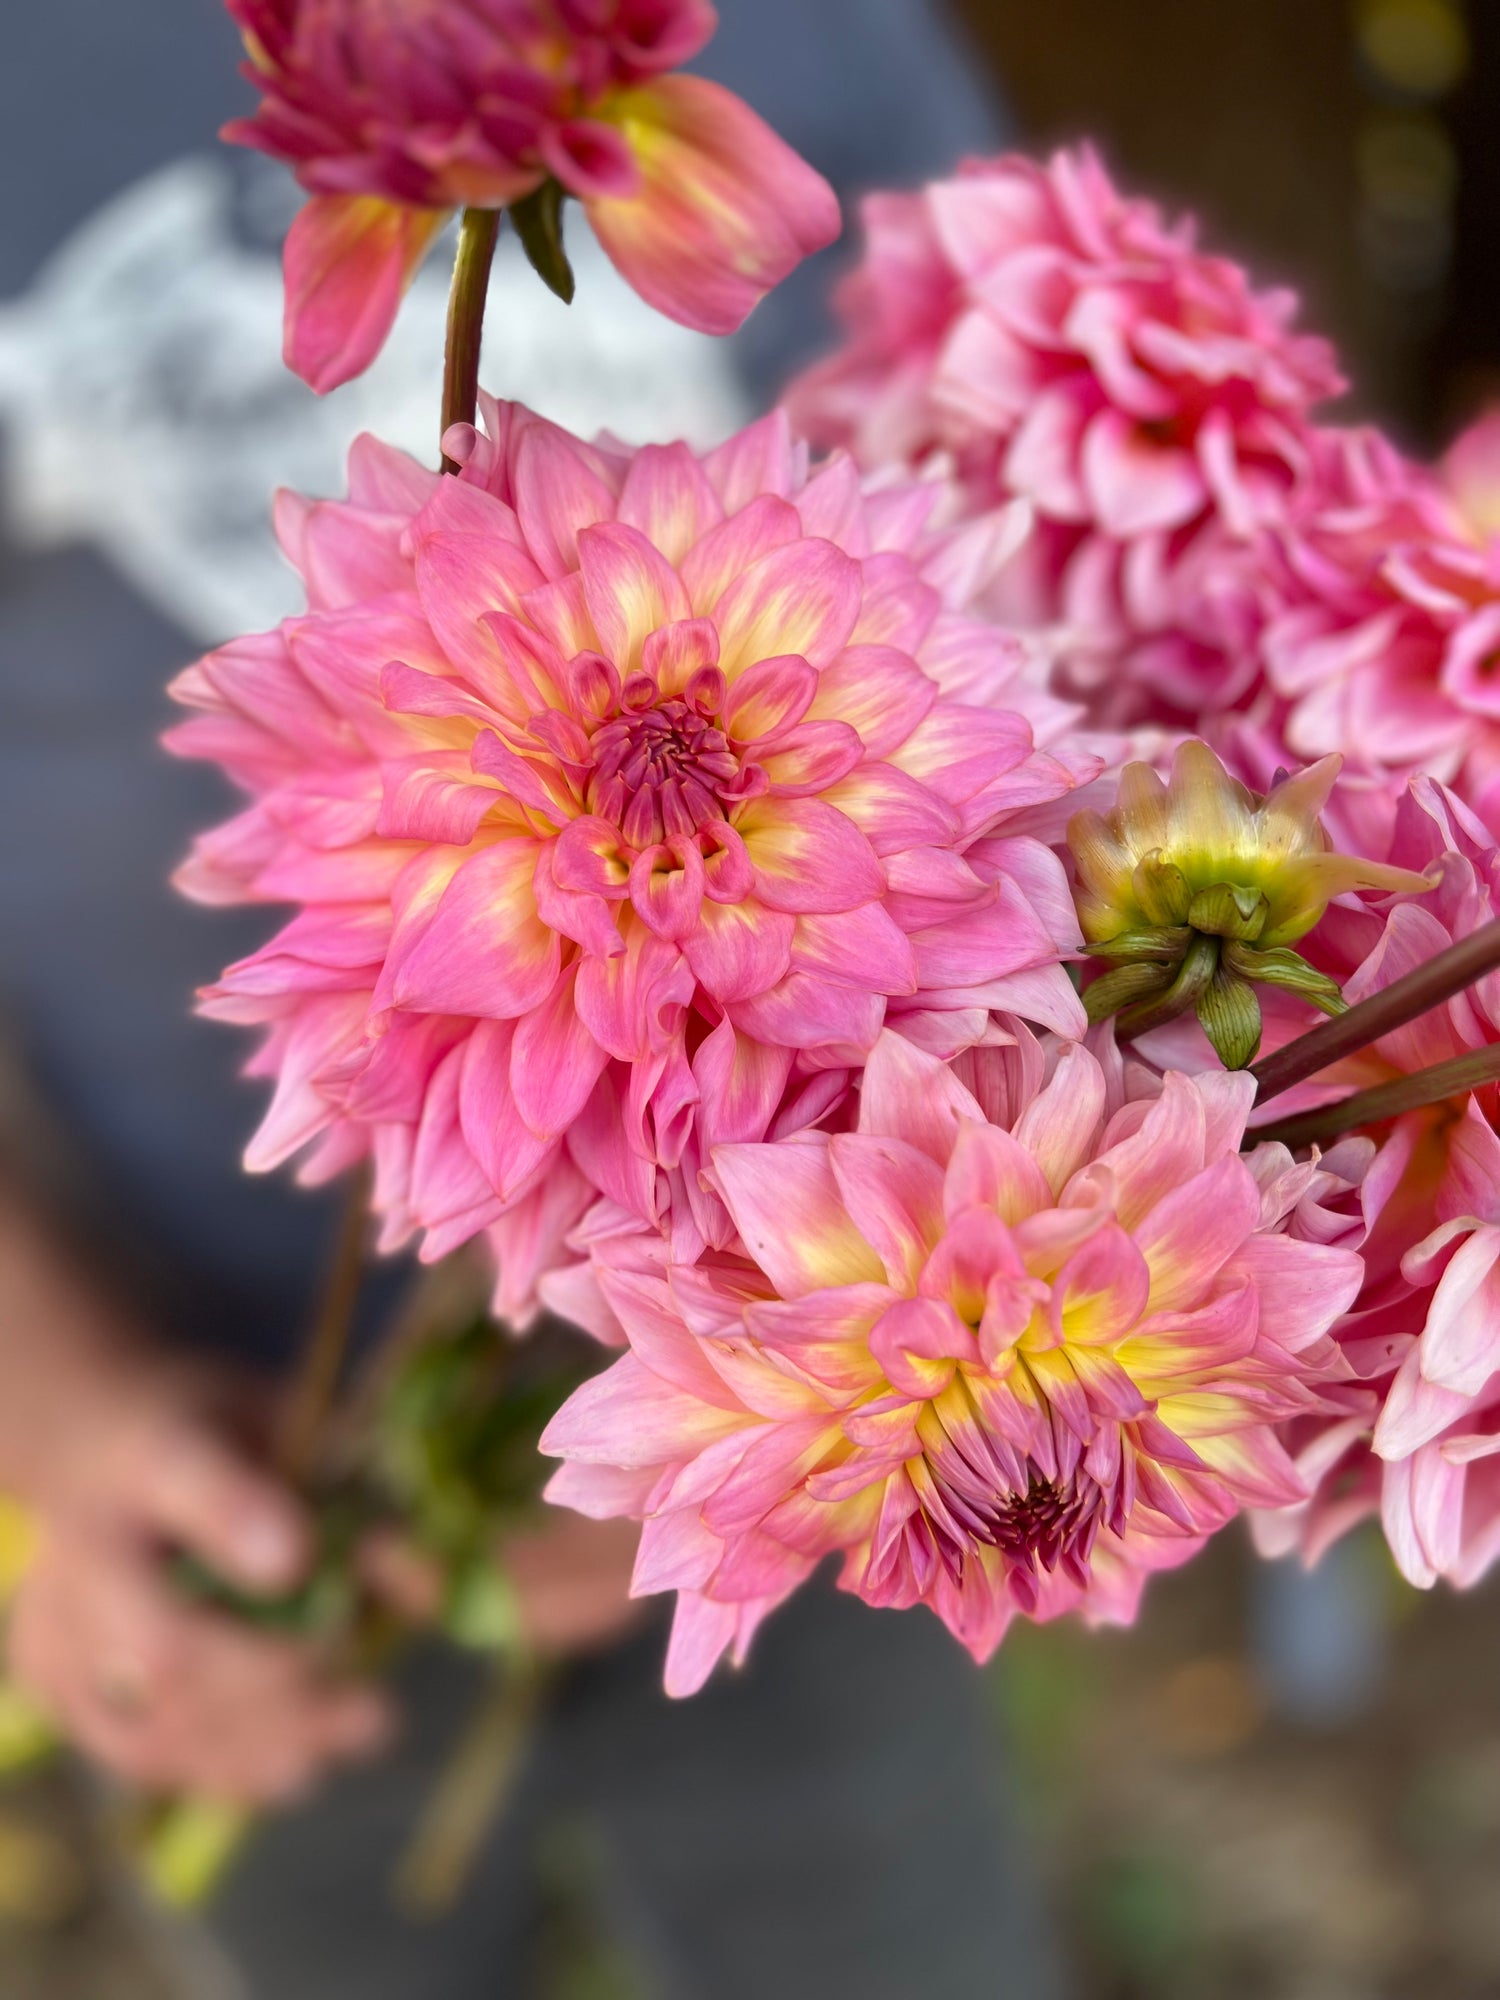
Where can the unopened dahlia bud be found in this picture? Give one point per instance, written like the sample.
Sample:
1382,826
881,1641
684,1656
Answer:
1196,889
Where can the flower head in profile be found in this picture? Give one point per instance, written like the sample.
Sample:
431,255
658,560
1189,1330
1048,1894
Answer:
395,112
623,797
1061,342
1197,889
1005,1349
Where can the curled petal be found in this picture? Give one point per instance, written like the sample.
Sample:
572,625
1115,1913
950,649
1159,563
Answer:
725,208
349,259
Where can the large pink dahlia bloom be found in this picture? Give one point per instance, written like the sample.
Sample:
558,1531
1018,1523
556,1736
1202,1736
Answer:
1005,1349
1062,343
624,797
395,112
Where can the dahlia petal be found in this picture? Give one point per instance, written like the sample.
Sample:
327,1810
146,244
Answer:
726,551
1460,1344
349,259
769,697
739,949
860,947
1102,1290
1042,461
666,888
554,1063
514,969
422,801
1060,1125
960,751
878,692
906,1094
801,600
633,1003
808,857
560,489
588,919
824,1333
1190,1234
725,208
894,1196
917,1344
1416,1411
785,1204
702,1632
603,1492
810,759
989,1168
1168,1149
630,588
495,1135
668,498
741,1083
676,1551
1302,1287
893,811
999,936
776,1460
642,1301
629,1417
1133,485
833,1023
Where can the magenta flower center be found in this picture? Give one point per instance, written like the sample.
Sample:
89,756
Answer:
661,774
664,766
1052,1523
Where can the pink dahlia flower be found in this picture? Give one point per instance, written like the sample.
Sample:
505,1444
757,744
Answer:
1004,1349
396,112
1062,343
1420,1418
1386,640
624,798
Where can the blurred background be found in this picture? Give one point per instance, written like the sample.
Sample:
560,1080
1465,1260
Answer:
1273,1789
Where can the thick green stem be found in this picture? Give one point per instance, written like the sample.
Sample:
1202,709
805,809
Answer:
1385,1100
1420,991
478,233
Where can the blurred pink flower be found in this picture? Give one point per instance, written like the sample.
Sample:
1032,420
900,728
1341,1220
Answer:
1389,623
1060,342
396,112
1005,1349
624,797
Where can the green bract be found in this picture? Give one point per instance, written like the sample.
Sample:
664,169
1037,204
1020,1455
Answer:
1195,889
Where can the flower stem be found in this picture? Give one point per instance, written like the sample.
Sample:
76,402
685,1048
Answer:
471,1790
1419,991
322,1360
1385,1100
477,235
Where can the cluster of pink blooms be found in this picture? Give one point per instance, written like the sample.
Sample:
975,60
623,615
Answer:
625,798
1207,555
681,893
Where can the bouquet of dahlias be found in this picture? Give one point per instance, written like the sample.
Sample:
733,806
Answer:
954,933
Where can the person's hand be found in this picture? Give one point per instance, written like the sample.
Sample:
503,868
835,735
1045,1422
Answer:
166,1693
571,1576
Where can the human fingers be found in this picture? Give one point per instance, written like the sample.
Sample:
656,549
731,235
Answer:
192,1485
172,1697
572,1580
